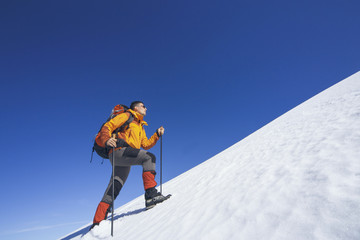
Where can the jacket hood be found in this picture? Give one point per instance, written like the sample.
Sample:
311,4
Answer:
139,117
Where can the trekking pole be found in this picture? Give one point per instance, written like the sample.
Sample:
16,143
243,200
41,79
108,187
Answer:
113,191
161,164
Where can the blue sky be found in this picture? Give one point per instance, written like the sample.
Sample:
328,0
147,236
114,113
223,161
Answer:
210,72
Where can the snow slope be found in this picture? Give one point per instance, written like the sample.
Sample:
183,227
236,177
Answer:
296,178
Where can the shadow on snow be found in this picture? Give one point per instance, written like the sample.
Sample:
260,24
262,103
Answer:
85,230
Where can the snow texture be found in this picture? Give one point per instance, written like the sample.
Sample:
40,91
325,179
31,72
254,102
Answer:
298,177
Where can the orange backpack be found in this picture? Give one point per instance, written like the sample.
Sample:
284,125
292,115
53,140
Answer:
104,151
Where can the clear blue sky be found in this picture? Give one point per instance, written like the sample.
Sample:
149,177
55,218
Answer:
211,72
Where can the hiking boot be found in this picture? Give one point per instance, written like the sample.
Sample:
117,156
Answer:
93,225
153,197
101,213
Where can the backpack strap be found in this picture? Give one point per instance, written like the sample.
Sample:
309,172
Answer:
125,125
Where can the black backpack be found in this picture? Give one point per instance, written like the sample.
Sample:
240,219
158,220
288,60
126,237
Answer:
104,151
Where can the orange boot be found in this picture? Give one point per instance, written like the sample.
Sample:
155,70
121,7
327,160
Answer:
152,196
101,213
149,179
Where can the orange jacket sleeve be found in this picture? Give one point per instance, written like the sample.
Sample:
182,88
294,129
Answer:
149,143
109,127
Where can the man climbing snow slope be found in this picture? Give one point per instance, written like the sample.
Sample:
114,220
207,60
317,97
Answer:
126,153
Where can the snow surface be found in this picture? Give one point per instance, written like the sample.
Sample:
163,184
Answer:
298,177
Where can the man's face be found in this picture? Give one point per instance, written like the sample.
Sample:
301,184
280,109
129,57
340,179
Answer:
140,108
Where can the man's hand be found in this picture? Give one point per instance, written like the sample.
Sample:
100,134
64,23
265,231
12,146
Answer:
111,142
160,131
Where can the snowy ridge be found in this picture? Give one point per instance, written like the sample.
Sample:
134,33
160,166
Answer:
298,177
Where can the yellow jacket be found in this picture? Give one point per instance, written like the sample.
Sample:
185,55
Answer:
134,135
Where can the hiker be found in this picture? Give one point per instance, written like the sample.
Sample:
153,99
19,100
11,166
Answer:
127,153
